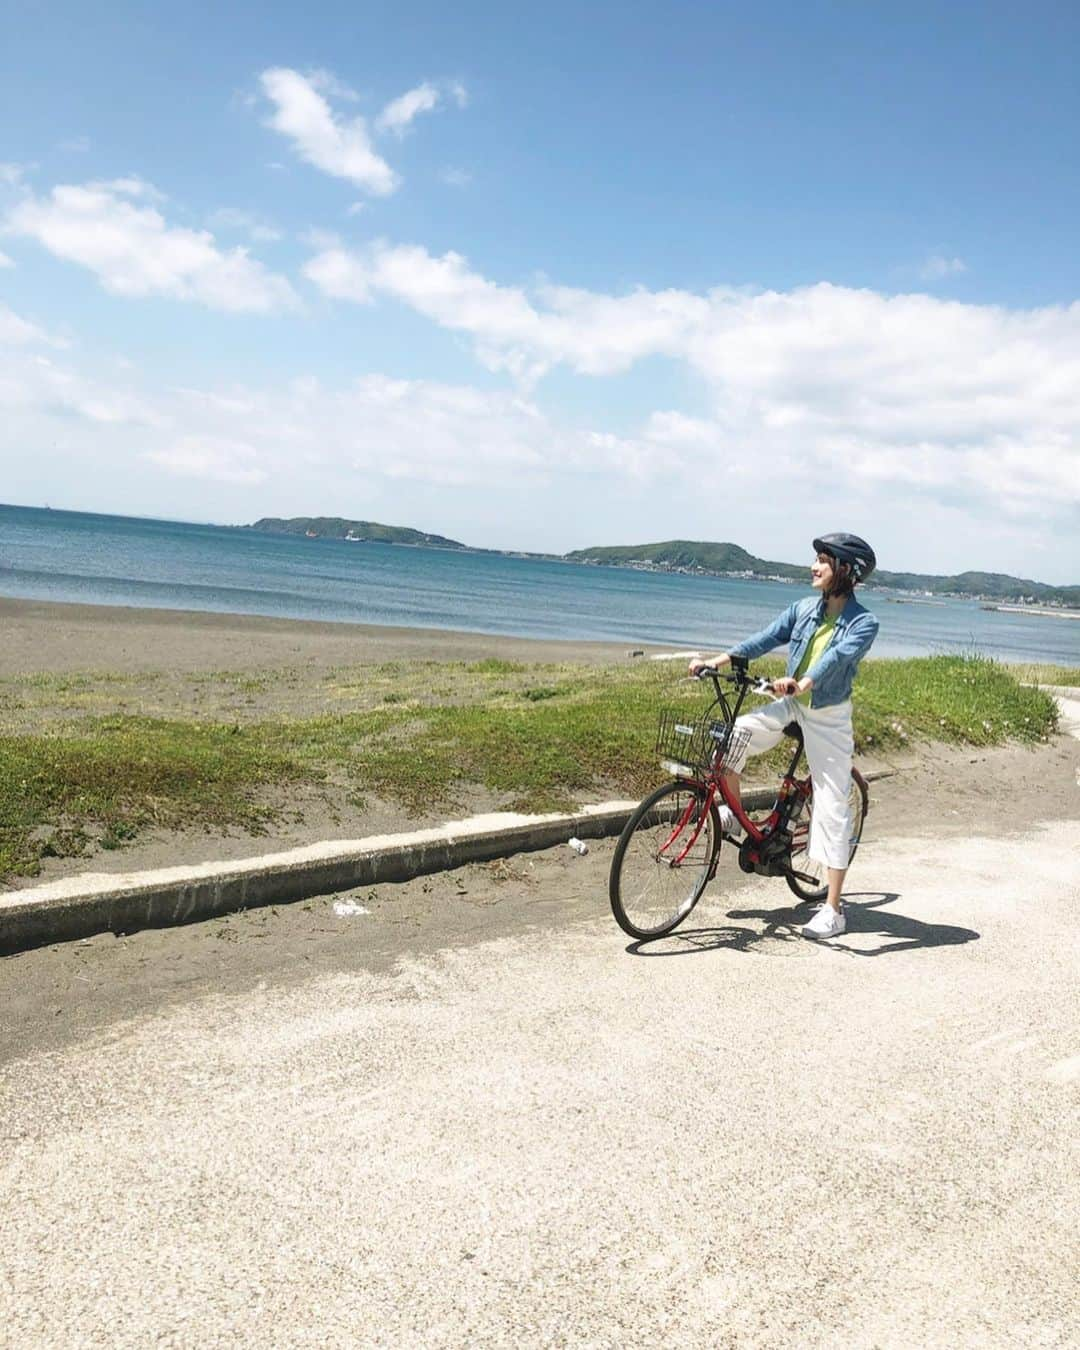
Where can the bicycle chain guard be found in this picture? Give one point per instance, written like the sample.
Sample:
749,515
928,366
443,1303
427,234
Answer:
769,858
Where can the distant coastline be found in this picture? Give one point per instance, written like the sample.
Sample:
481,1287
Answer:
1036,609
702,558
127,563
372,532
708,559
997,592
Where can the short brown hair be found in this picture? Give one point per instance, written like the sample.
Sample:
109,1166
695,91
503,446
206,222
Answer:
844,579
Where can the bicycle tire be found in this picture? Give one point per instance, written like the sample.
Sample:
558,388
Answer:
860,804
666,846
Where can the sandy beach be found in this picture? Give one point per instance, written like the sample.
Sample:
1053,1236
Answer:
40,635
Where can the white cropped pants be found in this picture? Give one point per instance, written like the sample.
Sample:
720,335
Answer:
829,748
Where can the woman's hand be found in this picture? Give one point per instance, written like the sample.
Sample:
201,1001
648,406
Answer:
787,686
699,663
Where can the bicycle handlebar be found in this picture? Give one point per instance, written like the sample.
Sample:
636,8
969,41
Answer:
740,675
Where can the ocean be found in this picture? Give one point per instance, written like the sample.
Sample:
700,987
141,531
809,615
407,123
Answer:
120,560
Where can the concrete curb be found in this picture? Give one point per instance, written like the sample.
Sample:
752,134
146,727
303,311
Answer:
80,906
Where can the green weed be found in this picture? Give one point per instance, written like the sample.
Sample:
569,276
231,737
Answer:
530,745
1065,676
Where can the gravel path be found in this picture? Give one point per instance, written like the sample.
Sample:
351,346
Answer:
731,1137
1068,700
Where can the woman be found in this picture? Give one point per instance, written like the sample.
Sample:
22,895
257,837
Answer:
827,637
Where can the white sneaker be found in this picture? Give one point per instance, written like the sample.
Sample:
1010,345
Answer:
729,824
826,923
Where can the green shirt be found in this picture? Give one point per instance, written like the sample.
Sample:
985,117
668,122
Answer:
815,650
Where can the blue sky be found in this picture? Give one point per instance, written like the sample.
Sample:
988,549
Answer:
535,277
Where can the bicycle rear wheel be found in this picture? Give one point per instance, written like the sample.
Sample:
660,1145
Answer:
801,861
663,860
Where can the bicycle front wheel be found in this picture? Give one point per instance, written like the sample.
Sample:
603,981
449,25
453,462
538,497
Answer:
663,860
818,888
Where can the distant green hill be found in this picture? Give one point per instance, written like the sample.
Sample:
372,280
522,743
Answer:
336,527
689,554
725,559
996,585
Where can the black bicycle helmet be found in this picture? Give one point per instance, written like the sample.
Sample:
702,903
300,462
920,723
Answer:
848,548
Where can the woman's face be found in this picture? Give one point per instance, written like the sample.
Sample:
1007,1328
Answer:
821,573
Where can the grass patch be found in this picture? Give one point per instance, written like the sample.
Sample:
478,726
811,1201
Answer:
541,692
963,699
117,777
66,682
531,745
491,665
1066,676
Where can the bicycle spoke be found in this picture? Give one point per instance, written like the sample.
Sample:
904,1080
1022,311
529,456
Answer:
812,881
663,860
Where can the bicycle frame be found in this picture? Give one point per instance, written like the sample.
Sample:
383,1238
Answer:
664,833
716,786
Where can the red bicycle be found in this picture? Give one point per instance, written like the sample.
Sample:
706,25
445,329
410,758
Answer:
670,847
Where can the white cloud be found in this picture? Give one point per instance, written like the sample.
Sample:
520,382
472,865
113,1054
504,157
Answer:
5,261
937,266
16,331
211,457
316,237
595,334
232,218
11,175
426,430
299,432
32,381
906,390
326,82
338,147
822,406
131,185
401,429
342,146
398,114
338,273
457,178
134,252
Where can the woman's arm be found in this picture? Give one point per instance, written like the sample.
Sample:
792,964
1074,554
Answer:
718,661
777,633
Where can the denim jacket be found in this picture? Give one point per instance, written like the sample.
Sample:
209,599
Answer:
833,674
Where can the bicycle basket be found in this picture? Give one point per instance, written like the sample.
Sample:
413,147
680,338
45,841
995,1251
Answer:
700,744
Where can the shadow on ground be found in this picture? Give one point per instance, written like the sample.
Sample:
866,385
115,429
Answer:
865,915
